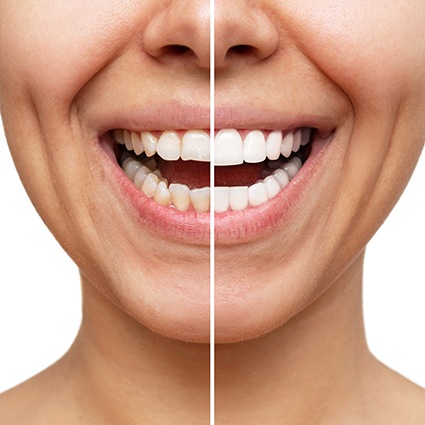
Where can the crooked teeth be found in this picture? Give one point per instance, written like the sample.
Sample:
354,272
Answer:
148,178
229,147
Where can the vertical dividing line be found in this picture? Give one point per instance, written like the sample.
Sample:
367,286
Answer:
212,203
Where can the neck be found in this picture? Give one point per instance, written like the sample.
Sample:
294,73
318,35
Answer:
309,367
126,371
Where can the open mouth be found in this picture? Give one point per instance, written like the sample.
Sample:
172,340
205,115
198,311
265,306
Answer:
251,166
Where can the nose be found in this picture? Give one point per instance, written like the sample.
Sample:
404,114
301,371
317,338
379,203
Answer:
180,32
244,34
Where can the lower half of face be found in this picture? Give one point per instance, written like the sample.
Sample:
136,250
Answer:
315,139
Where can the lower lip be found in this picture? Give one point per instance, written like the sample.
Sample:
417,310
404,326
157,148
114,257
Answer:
232,227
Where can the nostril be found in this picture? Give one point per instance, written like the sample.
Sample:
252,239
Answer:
241,49
176,49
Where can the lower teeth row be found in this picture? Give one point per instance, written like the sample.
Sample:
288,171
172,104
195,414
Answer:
147,177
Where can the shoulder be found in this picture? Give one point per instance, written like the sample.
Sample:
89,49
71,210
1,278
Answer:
41,400
397,400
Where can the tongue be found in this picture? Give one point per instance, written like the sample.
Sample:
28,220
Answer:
197,174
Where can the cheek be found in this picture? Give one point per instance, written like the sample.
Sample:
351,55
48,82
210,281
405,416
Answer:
373,51
55,47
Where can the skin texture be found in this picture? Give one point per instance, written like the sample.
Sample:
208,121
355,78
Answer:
298,321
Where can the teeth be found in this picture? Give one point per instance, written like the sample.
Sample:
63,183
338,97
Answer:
200,199
196,146
230,149
149,143
254,147
221,199
238,198
180,196
257,194
273,145
168,146
162,194
287,143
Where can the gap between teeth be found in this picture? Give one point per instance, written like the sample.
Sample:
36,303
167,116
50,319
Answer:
229,147
146,176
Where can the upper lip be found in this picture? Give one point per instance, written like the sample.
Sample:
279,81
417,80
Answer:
178,116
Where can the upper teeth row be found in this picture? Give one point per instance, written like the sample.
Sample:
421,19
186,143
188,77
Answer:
229,148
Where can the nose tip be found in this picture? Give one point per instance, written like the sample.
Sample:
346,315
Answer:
243,34
180,31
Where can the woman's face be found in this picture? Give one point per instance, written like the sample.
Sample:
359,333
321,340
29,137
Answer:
71,74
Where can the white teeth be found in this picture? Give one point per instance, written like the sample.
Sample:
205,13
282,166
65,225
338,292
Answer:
272,186
200,199
238,198
287,142
180,196
221,199
127,140
282,177
162,194
292,167
136,141
228,148
254,147
297,141
257,194
196,146
140,176
149,143
130,167
150,184
168,146
305,137
273,145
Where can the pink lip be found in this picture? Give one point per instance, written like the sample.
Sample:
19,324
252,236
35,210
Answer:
191,227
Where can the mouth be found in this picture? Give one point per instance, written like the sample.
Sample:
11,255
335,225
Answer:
172,168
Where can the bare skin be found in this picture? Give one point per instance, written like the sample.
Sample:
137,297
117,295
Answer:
290,340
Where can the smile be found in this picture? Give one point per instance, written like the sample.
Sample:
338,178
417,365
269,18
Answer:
251,166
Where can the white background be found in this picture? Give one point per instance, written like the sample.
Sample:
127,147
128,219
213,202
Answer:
40,293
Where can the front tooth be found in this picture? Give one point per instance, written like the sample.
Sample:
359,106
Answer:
149,143
180,196
257,194
200,199
254,147
130,167
150,184
162,194
272,186
297,141
195,146
273,145
140,176
287,142
137,143
168,146
228,148
221,200
127,140
305,136
238,198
